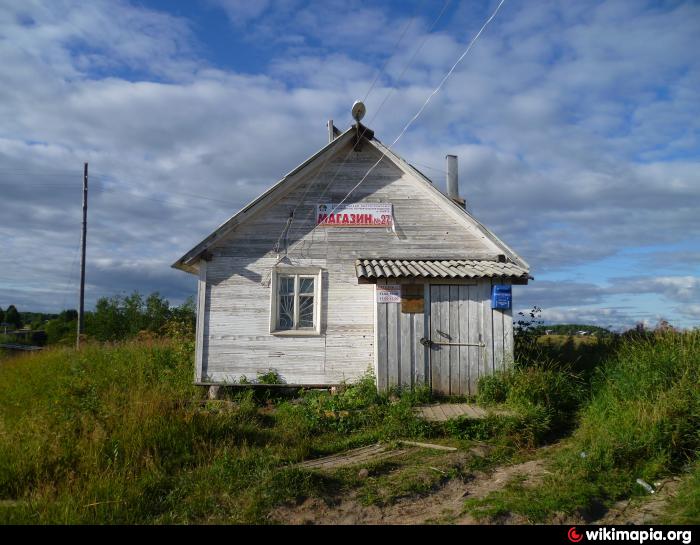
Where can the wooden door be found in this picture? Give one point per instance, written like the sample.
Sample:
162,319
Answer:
456,341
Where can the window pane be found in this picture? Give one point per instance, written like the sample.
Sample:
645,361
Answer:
306,285
286,285
286,312
306,311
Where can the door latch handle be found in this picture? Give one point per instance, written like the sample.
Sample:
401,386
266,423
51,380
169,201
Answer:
425,342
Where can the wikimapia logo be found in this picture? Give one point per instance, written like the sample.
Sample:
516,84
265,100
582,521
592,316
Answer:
574,536
637,536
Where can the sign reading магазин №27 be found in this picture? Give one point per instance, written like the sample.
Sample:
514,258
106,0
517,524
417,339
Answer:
361,214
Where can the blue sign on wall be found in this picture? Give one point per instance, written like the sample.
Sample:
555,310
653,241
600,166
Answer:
501,297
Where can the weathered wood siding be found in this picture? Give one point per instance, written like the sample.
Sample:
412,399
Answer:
462,310
401,358
235,330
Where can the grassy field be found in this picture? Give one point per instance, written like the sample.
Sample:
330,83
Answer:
641,421
117,433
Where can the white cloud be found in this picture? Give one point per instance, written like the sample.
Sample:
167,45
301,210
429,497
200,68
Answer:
576,126
683,289
690,311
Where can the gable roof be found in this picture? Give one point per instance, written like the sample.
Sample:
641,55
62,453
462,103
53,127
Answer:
188,262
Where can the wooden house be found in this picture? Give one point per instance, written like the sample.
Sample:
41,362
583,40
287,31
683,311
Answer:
355,262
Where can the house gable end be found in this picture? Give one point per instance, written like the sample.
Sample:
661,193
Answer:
425,227
188,262
327,177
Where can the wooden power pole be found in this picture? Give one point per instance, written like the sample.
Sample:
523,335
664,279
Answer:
83,237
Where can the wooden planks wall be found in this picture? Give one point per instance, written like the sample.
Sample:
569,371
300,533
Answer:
455,318
200,323
235,333
402,359
502,335
462,311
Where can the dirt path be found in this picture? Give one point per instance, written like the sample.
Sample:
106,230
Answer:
443,505
645,509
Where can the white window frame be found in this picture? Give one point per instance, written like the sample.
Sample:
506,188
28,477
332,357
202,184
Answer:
297,272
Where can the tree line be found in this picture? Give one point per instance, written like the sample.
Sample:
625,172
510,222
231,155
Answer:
114,318
11,317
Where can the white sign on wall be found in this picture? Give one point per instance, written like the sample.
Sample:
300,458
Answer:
360,214
391,293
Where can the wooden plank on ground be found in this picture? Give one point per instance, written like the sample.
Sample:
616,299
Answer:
447,411
352,457
428,445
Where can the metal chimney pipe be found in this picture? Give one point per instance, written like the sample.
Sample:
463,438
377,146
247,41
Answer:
453,180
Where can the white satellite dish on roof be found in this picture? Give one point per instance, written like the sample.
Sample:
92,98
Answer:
358,110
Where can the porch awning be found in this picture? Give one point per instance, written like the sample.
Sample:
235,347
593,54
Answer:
440,268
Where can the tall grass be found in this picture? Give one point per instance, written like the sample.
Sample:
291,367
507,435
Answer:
544,388
115,434
119,434
643,421
95,428
684,507
644,417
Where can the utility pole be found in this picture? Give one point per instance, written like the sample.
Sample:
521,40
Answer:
83,237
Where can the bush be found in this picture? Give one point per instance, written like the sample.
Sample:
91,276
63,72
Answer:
553,394
269,377
493,388
359,406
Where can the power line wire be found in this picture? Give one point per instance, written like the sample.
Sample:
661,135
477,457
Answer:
389,57
429,167
111,184
418,113
286,229
386,98
412,58
68,286
108,185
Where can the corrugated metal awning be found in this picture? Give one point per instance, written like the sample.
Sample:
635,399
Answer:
438,268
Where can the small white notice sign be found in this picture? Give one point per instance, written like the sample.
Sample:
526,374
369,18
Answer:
391,293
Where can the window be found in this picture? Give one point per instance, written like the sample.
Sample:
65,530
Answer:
295,307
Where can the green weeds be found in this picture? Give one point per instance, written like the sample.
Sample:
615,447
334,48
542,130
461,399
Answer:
642,421
117,433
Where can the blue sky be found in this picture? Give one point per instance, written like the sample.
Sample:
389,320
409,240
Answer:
577,125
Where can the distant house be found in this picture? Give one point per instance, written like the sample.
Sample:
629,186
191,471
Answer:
582,332
341,267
